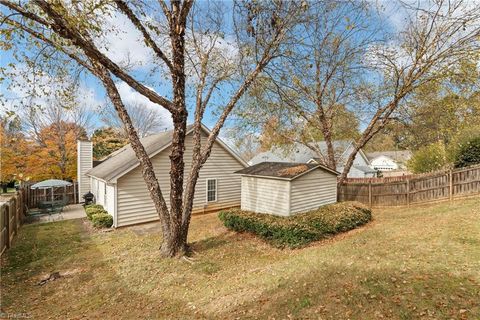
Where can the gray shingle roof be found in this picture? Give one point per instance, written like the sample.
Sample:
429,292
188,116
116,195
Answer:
365,169
125,158
300,153
283,170
120,161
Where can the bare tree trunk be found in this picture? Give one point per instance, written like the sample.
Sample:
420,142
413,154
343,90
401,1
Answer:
174,244
327,135
378,122
193,175
148,173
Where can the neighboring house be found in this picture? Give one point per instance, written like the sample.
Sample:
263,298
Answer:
299,153
118,185
386,161
287,188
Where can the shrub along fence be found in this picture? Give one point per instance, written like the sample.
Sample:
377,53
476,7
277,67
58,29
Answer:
12,212
412,189
34,196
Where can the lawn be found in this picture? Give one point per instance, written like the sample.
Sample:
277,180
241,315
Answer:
415,263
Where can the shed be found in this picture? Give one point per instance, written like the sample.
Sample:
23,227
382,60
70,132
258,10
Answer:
285,189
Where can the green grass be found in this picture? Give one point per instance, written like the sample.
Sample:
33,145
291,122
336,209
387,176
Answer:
415,263
9,190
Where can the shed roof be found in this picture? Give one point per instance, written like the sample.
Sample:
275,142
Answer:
123,160
283,170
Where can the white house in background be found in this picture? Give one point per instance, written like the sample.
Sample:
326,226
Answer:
390,160
299,153
118,185
287,188
384,163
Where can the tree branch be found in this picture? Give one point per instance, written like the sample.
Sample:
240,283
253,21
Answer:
148,39
62,27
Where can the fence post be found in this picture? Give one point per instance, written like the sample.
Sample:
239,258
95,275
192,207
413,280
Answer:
370,194
408,192
17,214
8,226
450,182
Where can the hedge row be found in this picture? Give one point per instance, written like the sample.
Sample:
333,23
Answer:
99,216
301,229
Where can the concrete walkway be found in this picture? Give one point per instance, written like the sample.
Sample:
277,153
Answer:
72,211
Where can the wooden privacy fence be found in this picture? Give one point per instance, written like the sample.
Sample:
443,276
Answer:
12,213
412,189
34,196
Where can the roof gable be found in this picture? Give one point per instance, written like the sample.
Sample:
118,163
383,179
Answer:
124,160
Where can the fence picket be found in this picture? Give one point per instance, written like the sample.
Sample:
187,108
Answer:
11,217
37,195
412,189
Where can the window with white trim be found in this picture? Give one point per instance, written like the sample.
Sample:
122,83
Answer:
211,190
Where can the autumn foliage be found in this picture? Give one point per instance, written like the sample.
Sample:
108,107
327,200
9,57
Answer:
52,155
13,162
105,141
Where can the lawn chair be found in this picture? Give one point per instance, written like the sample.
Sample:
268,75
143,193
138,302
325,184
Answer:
33,212
57,207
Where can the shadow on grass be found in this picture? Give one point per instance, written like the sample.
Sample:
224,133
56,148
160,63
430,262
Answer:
88,286
215,242
354,293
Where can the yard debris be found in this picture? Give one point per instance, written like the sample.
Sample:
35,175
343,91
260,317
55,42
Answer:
189,260
293,170
52,277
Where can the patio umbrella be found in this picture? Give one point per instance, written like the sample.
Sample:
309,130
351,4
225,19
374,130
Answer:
50,184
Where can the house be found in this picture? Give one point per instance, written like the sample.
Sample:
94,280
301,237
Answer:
390,162
118,185
299,153
287,188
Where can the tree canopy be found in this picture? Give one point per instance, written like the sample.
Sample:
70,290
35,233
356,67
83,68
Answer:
105,141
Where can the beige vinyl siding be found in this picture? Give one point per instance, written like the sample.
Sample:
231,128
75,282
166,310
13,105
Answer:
84,163
134,204
313,190
94,188
264,195
110,199
101,193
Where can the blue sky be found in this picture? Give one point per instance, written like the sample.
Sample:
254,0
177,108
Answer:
128,44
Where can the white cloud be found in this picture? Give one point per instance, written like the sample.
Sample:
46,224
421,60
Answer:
398,14
130,96
124,44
